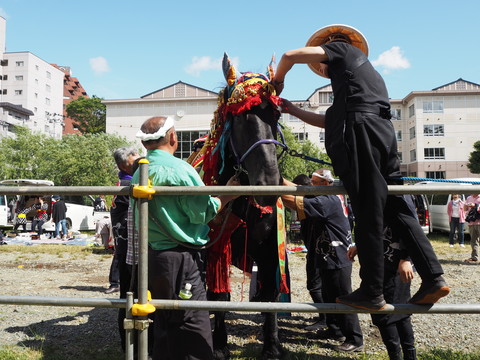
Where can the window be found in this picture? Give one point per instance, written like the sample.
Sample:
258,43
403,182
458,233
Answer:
325,97
36,67
435,106
400,156
412,132
185,142
301,137
18,92
433,130
36,95
19,77
5,77
413,155
180,90
3,62
4,92
49,75
47,101
47,88
398,134
434,153
321,136
411,110
19,63
396,114
35,109
435,175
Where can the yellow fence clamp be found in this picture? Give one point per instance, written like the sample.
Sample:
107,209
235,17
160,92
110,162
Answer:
143,309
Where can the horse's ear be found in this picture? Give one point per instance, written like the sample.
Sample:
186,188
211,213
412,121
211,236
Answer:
272,67
229,70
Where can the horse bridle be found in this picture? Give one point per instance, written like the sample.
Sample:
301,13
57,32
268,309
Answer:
240,159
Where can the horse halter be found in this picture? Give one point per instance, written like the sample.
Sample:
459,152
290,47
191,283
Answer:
240,159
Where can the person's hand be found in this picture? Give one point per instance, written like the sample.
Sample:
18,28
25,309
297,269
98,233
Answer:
286,105
405,270
351,253
278,85
233,181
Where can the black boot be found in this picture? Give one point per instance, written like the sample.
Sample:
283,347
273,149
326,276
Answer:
395,355
410,355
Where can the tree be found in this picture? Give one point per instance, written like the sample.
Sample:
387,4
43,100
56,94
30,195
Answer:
291,166
88,114
75,160
474,159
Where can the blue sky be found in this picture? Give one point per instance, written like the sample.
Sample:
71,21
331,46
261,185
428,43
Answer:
126,49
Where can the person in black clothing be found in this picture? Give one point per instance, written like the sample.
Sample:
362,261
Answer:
59,216
327,232
360,140
396,329
124,158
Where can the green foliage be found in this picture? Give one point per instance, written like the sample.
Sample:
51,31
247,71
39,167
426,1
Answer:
291,166
75,160
88,114
474,159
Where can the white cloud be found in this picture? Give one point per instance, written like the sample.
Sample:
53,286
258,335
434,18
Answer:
204,63
3,13
99,65
392,59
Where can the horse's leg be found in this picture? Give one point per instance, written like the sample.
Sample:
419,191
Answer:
220,345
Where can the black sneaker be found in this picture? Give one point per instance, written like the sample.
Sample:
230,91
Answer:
348,348
430,292
317,325
359,300
327,334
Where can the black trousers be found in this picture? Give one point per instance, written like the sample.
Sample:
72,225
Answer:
314,278
178,334
371,152
396,329
335,283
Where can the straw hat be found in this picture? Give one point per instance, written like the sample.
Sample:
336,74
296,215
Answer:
331,32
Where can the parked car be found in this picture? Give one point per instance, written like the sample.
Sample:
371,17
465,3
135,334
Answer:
81,215
438,203
423,212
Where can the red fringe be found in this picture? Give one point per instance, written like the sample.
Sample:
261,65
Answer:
219,255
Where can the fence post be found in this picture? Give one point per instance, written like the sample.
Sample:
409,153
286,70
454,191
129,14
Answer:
143,261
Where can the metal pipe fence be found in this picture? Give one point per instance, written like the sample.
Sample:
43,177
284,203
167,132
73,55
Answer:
140,323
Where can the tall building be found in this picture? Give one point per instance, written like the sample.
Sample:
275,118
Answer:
72,90
435,129
35,88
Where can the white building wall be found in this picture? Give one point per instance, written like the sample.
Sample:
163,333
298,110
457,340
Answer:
124,117
41,87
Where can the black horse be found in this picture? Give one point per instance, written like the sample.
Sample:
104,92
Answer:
243,142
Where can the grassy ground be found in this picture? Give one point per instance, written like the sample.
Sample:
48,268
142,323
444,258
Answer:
40,352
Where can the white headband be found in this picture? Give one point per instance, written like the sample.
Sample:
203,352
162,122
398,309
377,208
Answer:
159,134
326,176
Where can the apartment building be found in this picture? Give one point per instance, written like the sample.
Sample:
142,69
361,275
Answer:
72,90
435,129
34,93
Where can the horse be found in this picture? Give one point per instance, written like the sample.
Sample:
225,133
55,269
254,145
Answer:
243,142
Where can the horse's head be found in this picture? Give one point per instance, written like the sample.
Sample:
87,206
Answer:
252,113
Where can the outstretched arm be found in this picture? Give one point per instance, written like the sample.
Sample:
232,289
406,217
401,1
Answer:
308,116
306,55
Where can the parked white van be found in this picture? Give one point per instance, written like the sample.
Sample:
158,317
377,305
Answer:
438,203
4,212
80,211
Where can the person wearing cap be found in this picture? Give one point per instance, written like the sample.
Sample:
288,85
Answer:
177,231
360,140
327,235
